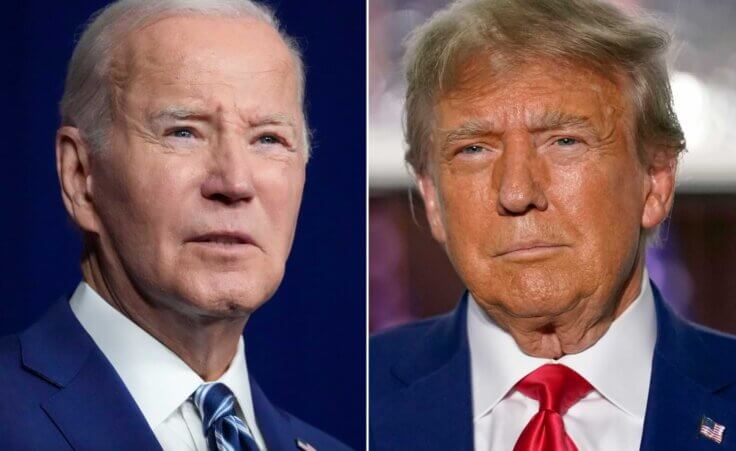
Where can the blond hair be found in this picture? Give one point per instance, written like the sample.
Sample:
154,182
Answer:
583,32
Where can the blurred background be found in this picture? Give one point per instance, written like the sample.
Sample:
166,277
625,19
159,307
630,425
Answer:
306,346
410,276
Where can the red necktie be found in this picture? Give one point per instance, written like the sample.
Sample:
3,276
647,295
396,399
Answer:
557,388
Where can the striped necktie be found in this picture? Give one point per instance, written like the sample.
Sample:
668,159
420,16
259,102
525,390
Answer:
223,429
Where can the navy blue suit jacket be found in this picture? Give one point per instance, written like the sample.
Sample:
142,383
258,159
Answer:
59,392
420,386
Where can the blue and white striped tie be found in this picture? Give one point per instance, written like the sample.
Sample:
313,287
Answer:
223,429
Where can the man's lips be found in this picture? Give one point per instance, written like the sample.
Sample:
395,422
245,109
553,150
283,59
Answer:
529,248
224,237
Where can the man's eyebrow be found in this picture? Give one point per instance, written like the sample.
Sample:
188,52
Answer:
181,113
178,112
272,119
548,120
554,120
469,129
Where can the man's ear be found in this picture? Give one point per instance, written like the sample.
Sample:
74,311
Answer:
73,168
660,175
432,206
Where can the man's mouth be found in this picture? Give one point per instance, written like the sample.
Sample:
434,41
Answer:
530,249
224,238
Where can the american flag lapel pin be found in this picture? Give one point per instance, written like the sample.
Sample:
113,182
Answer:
711,430
304,446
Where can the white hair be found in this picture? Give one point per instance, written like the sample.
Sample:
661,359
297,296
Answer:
87,102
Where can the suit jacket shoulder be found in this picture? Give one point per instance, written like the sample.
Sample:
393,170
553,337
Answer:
60,392
693,379
63,392
21,396
420,397
284,431
389,347
719,343
307,433
723,345
421,390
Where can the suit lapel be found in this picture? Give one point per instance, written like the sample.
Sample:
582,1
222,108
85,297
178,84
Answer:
684,387
274,426
92,408
434,409
95,411
675,408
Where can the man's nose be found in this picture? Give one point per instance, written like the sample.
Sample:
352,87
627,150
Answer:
517,179
230,178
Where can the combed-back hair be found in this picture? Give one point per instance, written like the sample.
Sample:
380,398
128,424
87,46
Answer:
587,33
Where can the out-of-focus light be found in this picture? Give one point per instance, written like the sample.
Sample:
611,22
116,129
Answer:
690,106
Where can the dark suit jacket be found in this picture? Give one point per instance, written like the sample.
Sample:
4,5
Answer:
59,392
420,386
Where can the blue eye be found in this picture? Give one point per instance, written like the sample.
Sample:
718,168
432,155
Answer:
472,149
268,139
567,141
181,133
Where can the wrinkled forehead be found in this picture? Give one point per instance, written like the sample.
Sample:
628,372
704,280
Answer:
532,91
201,53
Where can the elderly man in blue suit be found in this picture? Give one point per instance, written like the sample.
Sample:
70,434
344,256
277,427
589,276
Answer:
544,145
181,158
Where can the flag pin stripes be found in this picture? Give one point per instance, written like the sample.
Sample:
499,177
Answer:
711,430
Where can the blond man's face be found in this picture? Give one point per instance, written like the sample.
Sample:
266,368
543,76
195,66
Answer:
536,190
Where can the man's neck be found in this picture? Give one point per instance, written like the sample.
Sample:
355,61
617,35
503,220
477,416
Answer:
205,343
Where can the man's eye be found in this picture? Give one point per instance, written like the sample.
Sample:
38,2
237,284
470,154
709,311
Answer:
567,141
472,149
181,133
269,139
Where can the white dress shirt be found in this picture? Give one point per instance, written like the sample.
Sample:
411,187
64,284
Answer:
618,366
157,379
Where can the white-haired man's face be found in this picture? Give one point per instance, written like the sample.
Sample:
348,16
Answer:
196,198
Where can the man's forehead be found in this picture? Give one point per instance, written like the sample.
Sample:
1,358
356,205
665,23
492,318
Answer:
536,95
193,45
240,67
484,75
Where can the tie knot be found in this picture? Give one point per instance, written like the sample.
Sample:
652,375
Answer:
214,401
555,386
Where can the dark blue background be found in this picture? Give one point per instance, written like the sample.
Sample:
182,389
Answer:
306,347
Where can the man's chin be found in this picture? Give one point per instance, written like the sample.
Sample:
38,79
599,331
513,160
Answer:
221,300
527,305
222,307
222,293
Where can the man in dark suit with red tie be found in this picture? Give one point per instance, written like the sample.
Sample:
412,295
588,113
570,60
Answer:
545,146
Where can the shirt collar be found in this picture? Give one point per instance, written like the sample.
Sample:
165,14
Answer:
618,365
157,379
